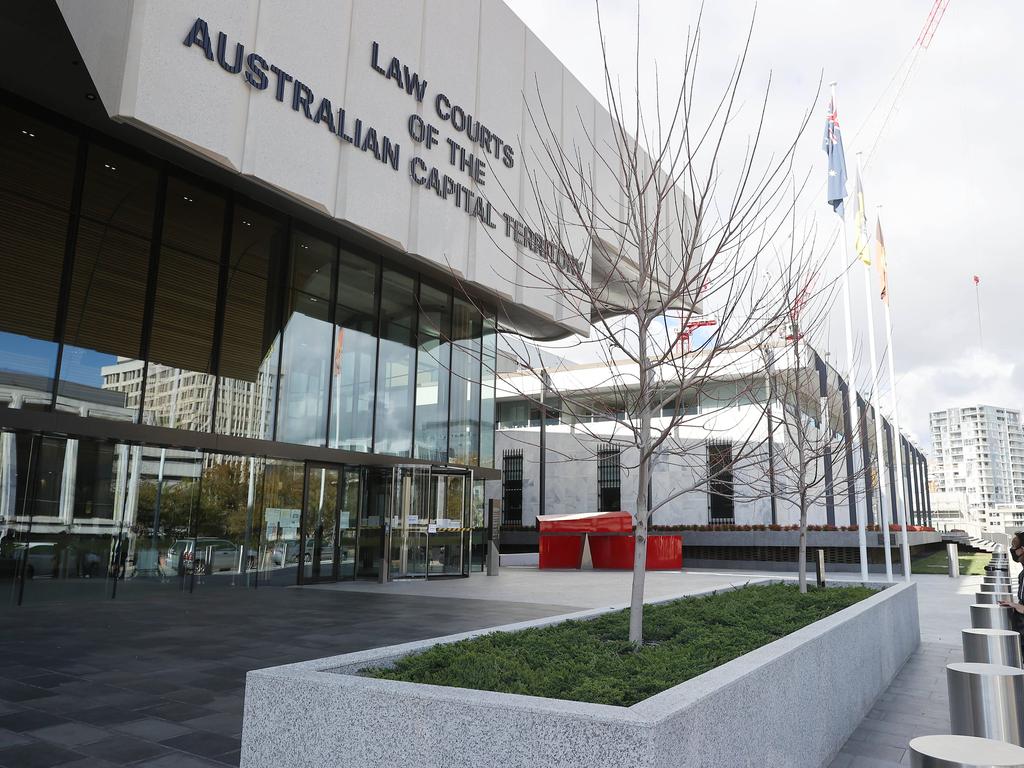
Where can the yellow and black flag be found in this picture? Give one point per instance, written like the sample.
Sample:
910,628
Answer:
860,224
880,262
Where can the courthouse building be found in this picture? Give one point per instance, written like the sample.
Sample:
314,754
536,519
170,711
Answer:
253,259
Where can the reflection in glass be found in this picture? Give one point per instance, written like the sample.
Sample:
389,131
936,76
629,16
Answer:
279,549
488,380
355,354
179,385
38,169
350,504
100,371
432,366
320,524
393,432
464,426
306,356
249,349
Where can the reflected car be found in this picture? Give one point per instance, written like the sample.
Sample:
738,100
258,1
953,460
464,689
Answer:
40,559
287,551
213,555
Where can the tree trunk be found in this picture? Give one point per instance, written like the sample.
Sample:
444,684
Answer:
636,599
803,543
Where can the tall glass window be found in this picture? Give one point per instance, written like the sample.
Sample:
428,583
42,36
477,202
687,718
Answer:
179,382
308,342
36,183
100,368
252,314
355,354
464,425
488,378
432,373
395,371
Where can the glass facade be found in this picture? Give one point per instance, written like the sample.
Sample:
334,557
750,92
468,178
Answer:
134,292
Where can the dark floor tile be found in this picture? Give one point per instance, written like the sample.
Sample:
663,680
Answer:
12,739
178,760
50,680
122,750
204,744
70,734
18,692
175,710
36,755
29,720
106,715
153,729
227,724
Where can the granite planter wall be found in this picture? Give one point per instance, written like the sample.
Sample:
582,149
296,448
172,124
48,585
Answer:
793,702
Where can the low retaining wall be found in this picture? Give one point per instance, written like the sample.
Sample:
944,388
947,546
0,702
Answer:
792,702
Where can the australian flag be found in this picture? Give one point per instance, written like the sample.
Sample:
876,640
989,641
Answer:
833,146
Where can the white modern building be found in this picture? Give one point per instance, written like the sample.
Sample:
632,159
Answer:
978,451
589,464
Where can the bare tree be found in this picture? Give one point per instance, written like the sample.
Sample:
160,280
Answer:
685,233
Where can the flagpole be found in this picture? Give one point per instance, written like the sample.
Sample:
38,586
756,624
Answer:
901,499
851,389
880,463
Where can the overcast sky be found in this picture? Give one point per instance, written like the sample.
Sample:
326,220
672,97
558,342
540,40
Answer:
947,168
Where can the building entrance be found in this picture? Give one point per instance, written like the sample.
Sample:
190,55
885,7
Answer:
430,527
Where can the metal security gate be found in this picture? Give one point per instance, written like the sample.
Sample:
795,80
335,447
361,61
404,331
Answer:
720,489
609,480
512,486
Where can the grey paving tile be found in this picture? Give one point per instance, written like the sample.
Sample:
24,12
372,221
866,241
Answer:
12,739
178,760
203,744
152,729
122,750
875,750
70,734
29,720
223,723
36,755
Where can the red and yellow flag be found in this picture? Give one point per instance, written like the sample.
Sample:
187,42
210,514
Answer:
880,262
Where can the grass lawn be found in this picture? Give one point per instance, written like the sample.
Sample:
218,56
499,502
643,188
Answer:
593,661
971,563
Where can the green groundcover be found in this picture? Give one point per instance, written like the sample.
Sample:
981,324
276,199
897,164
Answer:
593,660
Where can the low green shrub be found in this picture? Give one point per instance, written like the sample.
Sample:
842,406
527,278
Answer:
593,660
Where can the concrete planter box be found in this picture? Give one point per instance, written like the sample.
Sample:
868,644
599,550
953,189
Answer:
793,702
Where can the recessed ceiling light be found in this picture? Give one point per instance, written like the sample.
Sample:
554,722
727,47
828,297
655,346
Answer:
303,245
27,133
91,96
247,223
186,198
110,167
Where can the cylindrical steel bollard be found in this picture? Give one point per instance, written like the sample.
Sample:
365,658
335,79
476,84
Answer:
986,700
991,598
998,580
993,587
953,559
964,752
990,617
992,646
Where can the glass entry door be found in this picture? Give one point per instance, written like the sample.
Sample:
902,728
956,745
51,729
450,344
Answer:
449,530
430,522
410,511
320,543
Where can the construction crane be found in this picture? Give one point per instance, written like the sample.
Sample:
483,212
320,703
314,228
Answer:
932,23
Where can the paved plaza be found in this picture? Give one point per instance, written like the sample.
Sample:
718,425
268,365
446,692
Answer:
160,681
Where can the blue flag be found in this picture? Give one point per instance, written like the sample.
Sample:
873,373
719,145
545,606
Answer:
833,146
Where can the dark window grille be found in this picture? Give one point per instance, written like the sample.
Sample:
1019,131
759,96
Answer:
512,486
720,490
609,482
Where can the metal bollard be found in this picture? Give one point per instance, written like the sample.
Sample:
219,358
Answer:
990,617
953,556
992,646
991,598
819,566
986,700
993,587
964,752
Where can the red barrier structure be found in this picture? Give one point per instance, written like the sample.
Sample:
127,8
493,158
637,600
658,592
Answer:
612,543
